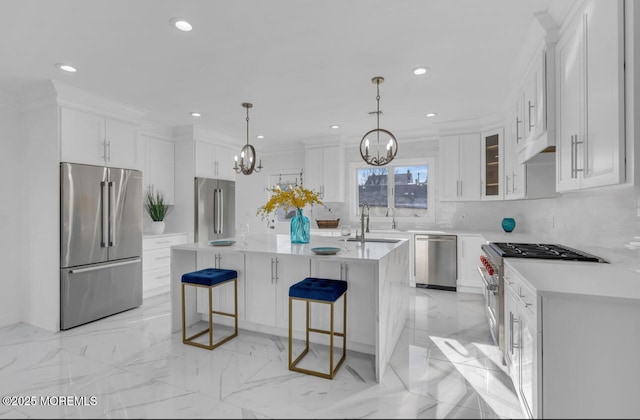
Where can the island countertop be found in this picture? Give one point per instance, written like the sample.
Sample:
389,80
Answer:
267,243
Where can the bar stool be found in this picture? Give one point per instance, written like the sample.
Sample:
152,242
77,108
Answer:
209,278
324,291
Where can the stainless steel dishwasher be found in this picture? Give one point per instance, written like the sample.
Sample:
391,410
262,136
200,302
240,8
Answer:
435,261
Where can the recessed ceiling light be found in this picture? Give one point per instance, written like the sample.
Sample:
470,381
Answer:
418,71
431,114
260,136
66,67
181,24
335,126
196,114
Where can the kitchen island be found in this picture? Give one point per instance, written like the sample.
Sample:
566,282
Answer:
268,264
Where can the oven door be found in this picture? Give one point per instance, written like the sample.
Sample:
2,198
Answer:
491,291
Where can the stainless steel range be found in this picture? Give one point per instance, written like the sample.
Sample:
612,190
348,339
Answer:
491,270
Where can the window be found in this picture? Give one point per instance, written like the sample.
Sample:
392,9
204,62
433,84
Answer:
403,187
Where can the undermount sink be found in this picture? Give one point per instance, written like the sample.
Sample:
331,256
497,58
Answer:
387,240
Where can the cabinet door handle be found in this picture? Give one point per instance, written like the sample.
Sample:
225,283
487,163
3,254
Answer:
109,148
518,138
572,159
277,262
507,183
346,272
576,154
104,150
530,125
272,261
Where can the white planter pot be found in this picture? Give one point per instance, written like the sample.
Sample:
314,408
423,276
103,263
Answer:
157,228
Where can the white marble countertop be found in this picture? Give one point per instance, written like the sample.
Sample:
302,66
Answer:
269,243
575,277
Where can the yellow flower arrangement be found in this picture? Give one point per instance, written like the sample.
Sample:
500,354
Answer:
295,196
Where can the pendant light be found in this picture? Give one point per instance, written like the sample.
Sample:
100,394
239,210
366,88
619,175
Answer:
389,146
247,164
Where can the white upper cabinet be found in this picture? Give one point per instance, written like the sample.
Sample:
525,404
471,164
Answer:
491,164
324,171
590,128
513,171
535,179
214,161
460,163
97,140
158,169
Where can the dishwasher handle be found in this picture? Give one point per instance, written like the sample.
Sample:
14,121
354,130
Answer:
437,238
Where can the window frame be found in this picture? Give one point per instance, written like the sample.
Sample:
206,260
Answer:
354,208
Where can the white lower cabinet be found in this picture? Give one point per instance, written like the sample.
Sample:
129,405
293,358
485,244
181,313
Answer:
223,295
571,355
156,262
268,278
361,289
469,253
521,340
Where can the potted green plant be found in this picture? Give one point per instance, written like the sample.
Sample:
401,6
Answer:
157,209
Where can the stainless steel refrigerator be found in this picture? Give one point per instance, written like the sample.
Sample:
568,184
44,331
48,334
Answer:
215,203
101,242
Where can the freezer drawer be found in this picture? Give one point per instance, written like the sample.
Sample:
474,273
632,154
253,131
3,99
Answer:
95,291
435,263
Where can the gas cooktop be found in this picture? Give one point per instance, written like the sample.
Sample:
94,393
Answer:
542,251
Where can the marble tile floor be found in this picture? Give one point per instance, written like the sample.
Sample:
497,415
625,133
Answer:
130,366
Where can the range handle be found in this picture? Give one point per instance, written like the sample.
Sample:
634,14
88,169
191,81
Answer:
489,284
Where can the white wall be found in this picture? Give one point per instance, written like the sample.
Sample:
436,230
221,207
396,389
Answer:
41,189
12,242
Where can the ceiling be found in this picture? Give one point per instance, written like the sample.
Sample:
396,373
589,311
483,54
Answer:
304,65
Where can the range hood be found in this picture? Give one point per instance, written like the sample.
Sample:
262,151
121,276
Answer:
538,149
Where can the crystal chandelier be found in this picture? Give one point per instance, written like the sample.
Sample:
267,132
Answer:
389,143
247,164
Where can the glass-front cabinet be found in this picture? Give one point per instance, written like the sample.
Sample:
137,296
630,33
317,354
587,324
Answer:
492,164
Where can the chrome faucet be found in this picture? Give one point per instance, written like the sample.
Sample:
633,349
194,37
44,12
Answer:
393,216
362,228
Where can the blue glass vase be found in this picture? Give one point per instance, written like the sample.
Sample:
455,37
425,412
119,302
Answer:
300,228
508,224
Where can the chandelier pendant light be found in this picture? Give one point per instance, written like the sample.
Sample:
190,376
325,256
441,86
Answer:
384,152
247,164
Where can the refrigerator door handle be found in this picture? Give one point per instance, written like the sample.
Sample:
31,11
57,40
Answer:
218,215
112,215
104,221
102,267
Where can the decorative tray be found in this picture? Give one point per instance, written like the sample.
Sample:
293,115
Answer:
325,250
222,242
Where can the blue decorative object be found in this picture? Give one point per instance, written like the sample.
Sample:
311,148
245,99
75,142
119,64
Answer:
300,228
508,224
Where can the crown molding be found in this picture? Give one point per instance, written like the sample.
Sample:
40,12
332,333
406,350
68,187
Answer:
54,92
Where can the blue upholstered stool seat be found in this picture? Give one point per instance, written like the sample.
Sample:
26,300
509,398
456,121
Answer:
209,276
318,289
